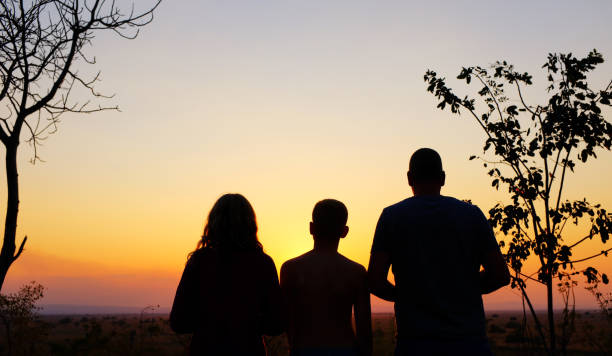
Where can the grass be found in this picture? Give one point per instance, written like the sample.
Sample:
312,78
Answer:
149,334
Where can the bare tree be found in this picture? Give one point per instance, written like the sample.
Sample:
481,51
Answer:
40,43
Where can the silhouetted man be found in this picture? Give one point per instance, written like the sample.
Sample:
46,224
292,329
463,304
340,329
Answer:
436,246
321,288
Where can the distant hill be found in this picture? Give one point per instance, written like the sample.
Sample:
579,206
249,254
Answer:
55,309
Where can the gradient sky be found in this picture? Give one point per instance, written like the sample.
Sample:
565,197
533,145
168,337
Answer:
286,102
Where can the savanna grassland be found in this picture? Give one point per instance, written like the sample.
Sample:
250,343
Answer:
149,334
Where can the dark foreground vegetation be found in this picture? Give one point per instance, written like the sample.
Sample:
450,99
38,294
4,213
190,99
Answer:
148,333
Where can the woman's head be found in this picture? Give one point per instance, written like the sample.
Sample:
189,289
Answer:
231,225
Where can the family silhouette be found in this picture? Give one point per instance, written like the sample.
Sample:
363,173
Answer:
442,252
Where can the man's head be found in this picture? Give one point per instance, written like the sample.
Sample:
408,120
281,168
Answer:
329,220
425,173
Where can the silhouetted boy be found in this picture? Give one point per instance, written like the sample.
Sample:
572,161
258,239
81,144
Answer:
321,288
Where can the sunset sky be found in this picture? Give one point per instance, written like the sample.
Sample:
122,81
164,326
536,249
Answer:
286,102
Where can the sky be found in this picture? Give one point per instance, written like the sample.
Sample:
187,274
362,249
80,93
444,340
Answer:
287,103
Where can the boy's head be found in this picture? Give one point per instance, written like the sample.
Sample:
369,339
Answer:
329,220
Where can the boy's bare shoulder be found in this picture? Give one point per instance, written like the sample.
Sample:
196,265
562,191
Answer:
351,265
295,261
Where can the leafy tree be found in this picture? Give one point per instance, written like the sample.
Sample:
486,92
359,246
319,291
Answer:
535,148
41,41
19,319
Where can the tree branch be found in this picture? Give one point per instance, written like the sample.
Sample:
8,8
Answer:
526,276
587,237
518,88
535,316
604,252
569,149
20,248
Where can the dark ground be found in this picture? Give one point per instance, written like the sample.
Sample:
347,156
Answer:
149,334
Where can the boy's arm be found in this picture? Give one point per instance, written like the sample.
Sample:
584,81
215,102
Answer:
363,316
285,278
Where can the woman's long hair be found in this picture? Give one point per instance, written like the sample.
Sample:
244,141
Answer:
231,225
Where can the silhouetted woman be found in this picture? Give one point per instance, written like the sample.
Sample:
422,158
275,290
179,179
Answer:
228,296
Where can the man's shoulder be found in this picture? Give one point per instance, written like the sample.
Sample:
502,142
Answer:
415,204
402,204
416,200
466,204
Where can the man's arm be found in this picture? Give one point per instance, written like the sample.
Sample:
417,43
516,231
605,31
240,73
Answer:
495,274
363,316
380,262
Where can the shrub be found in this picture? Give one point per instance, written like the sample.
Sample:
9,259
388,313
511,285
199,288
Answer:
20,323
494,329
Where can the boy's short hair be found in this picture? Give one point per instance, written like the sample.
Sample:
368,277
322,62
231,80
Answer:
329,218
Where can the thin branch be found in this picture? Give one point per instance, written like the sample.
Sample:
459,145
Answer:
565,219
554,171
33,139
604,252
20,248
528,277
521,230
608,87
518,88
477,120
501,116
587,237
535,316
569,149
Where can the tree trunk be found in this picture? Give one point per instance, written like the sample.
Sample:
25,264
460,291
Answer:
7,255
551,315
